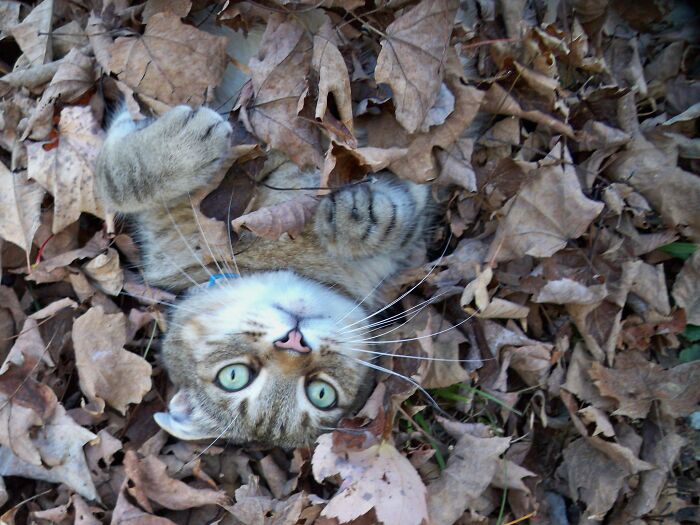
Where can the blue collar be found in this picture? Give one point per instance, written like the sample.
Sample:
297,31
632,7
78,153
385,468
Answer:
217,276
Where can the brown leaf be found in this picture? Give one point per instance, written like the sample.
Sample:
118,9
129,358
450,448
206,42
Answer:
125,513
412,59
288,217
152,64
108,373
20,208
60,444
419,163
178,7
497,100
378,478
547,212
686,289
635,383
151,482
278,79
438,374
67,171
568,291
34,33
467,476
75,76
333,78
100,40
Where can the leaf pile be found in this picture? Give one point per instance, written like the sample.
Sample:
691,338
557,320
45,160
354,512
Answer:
561,305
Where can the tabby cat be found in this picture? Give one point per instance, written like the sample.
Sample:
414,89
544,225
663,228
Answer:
273,354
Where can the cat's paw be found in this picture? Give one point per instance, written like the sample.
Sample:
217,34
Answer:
196,139
366,218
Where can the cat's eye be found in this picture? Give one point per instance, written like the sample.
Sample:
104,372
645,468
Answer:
321,394
234,377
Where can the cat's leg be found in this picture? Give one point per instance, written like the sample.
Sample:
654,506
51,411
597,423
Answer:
380,216
142,166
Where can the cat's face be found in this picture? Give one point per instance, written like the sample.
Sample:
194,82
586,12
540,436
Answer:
263,358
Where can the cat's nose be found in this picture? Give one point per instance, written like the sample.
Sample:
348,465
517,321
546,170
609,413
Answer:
294,340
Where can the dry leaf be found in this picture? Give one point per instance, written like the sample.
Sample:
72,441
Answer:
151,482
568,291
67,171
108,373
278,79
333,78
378,478
470,469
20,208
635,383
488,307
686,289
412,59
151,64
438,374
288,217
178,7
419,163
60,444
125,513
34,33
547,212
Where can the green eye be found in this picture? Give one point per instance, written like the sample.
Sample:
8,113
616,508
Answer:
321,394
234,377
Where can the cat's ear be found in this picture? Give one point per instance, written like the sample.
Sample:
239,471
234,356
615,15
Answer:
179,420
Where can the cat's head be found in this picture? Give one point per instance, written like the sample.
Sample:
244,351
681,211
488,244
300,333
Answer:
264,358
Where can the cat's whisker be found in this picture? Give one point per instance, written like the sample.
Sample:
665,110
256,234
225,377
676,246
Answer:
432,269
206,449
356,431
357,305
204,237
418,357
187,244
400,376
369,342
378,325
157,301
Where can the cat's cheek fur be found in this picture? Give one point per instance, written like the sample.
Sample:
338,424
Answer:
179,420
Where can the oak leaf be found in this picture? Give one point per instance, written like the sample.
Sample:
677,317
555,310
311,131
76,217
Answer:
378,478
108,373
68,170
152,64
412,59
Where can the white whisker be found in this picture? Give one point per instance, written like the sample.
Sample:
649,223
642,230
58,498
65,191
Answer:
228,230
417,357
217,438
204,237
363,299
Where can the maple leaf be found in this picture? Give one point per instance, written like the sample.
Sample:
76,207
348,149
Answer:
378,478
20,208
68,170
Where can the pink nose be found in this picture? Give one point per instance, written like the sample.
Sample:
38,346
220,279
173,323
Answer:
294,340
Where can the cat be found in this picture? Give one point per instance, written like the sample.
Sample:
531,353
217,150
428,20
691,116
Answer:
273,353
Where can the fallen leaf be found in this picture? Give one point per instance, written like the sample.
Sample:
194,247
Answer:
178,7
151,64
444,346
543,216
488,307
378,478
271,222
108,373
568,291
68,170
471,468
20,208
278,79
412,59
686,289
33,34
126,513
151,482
635,383
60,444
333,78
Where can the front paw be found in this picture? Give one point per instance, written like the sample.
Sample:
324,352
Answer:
361,219
195,140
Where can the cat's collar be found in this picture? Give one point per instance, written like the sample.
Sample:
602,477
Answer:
217,276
